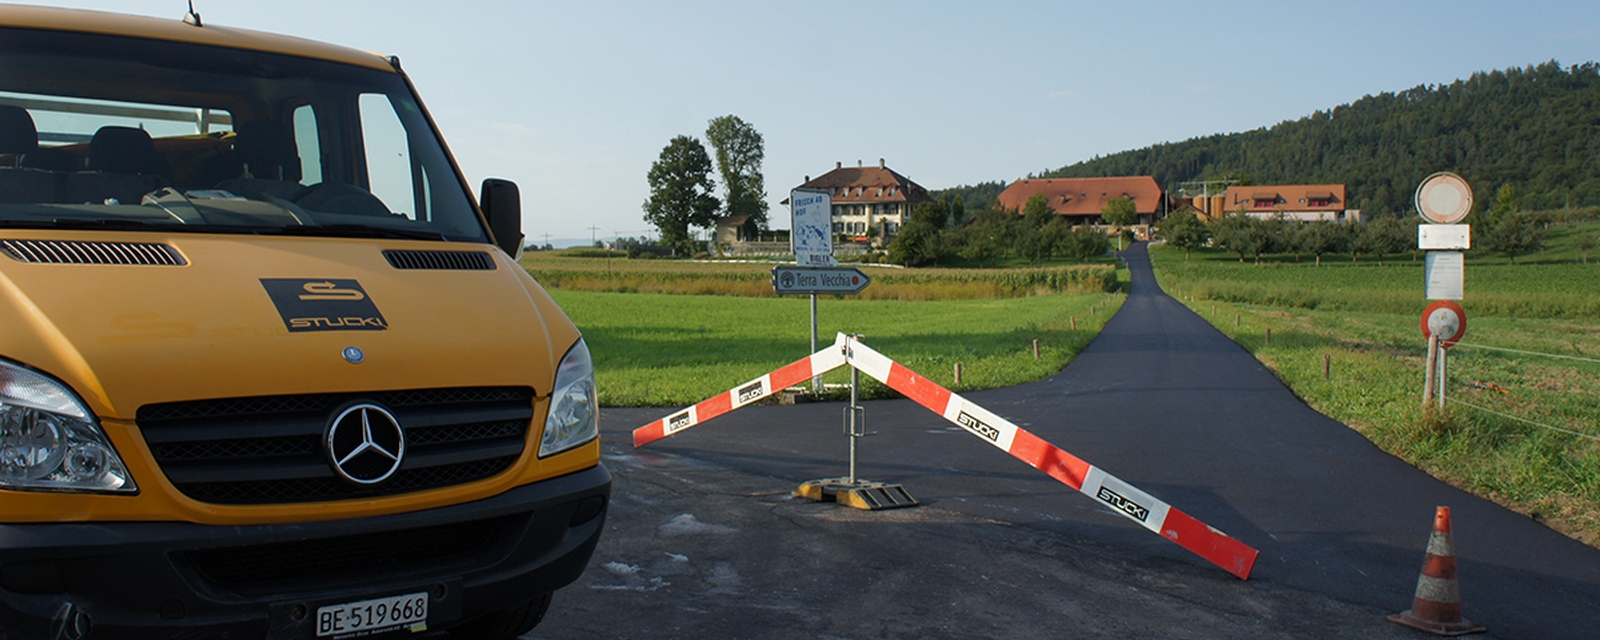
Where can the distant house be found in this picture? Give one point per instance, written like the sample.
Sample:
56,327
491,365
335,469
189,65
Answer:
1080,200
735,229
869,198
1303,202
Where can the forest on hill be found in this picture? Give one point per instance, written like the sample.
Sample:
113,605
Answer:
1536,129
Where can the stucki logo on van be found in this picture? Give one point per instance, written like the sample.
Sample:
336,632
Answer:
324,305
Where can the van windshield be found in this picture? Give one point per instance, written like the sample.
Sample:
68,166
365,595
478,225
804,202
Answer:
112,132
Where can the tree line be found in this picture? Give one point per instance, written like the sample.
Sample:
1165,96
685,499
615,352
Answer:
1501,229
941,231
1533,128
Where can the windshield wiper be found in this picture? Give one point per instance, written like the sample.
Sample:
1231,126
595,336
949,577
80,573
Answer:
353,231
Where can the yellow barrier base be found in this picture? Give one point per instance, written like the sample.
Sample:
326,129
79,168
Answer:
864,495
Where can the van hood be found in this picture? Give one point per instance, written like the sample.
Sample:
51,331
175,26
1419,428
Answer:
271,315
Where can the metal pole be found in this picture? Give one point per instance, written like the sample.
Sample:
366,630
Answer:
855,419
1432,367
1444,373
816,381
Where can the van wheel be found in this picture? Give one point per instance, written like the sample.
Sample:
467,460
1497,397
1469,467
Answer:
505,624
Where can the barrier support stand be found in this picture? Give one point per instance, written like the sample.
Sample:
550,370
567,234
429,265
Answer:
853,491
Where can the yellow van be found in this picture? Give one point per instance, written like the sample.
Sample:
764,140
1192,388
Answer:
266,368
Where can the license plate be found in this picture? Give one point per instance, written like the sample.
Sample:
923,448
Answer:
373,616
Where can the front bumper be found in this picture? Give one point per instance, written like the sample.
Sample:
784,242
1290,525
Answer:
178,580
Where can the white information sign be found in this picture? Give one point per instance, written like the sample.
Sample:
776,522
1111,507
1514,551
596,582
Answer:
1446,237
811,227
1444,271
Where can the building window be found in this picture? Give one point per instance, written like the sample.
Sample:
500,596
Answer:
838,227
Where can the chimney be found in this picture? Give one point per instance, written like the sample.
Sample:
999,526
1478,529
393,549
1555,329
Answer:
858,163
838,164
880,163
808,179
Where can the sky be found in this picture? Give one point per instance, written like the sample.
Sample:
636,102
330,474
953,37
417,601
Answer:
575,100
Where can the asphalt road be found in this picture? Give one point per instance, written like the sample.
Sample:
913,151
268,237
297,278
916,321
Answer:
703,540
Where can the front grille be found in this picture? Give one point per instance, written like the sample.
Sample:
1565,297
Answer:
440,260
258,567
269,450
79,252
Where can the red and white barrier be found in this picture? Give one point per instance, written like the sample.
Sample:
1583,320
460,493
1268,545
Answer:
1124,499
818,363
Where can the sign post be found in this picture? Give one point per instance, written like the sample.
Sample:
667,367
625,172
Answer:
811,239
1444,199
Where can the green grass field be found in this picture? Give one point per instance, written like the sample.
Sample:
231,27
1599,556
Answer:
675,350
577,272
1365,319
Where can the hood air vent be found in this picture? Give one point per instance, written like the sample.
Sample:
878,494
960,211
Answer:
440,260
78,252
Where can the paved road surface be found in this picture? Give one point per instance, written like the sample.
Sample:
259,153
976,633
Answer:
705,543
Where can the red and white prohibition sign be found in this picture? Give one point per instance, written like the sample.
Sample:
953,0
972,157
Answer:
1447,319
1124,499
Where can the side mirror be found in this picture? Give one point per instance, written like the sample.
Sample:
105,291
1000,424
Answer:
502,206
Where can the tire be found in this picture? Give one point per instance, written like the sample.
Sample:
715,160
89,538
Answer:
505,624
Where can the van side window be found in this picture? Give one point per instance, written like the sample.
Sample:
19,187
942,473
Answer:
389,171
305,139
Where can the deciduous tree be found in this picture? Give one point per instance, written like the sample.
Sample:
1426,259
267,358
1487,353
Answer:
1320,237
680,192
1584,243
1119,212
1084,242
1242,234
739,149
1185,231
1517,232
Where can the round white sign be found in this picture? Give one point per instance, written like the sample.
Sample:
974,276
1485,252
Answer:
1444,198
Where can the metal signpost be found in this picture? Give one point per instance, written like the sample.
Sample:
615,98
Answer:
811,238
814,273
1444,199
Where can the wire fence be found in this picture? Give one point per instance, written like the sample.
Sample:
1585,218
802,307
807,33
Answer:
1518,418
1531,353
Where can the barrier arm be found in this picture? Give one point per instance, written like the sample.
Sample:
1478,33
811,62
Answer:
1159,517
816,364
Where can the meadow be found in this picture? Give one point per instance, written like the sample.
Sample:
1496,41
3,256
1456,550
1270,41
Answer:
653,349
1518,428
578,271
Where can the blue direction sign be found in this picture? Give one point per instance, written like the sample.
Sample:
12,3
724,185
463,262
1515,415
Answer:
787,279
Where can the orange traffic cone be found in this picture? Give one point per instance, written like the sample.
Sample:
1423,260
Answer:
1437,607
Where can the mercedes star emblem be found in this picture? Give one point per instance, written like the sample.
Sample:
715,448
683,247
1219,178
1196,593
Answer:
365,444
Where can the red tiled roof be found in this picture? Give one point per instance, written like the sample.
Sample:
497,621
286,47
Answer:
1287,197
1084,196
868,184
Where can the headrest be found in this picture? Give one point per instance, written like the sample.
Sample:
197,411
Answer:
17,133
125,150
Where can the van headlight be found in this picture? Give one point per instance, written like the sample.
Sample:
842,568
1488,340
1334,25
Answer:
574,417
50,442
